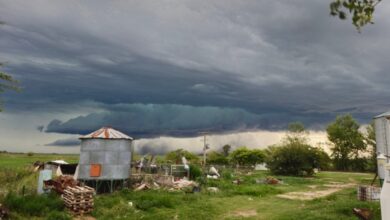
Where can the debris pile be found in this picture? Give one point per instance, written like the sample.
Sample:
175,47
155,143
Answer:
38,165
363,214
79,200
237,181
4,212
269,180
213,173
213,189
60,183
165,182
183,183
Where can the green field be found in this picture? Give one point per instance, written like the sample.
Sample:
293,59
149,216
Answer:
249,200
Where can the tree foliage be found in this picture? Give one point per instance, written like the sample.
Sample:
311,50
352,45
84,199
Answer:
348,142
297,159
245,156
362,11
296,133
176,156
226,149
295,156
214,157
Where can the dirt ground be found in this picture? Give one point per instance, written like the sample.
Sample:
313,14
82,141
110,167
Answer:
313,194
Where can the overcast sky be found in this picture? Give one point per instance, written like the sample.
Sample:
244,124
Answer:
176,68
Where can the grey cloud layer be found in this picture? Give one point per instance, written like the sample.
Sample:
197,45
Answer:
259,63
140,120
68,142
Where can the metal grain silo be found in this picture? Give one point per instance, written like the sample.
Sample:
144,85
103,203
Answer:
105,158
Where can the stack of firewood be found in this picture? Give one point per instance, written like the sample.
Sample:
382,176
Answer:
79,200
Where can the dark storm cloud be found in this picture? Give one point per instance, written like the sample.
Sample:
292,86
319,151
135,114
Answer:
69,142
140,120
260,64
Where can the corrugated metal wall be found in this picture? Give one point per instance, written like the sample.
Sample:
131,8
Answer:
113,155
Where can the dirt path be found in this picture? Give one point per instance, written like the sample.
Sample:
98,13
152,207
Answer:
313,194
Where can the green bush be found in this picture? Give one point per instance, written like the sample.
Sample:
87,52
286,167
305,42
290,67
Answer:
33,205
245,156
195,172
294,158
214,157
227,175
176,156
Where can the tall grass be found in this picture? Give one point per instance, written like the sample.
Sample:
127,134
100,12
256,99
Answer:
34,205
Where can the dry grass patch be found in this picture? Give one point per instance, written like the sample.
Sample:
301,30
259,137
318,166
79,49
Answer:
313,194
244,213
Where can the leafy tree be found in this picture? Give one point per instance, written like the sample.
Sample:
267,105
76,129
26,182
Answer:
295,158
214,157
348,141
226,149
245,156
362,11
296,127
176,156
296,133
323,160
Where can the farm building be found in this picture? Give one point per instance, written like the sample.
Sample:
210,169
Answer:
105,158
60,167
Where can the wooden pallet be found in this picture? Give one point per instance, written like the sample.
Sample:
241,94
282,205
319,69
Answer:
79,200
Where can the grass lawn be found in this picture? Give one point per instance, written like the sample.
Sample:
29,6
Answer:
13,160
249,200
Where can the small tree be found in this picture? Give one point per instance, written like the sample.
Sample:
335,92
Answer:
348,142
295,158
226,149
296,133
244,156
214,157
176,156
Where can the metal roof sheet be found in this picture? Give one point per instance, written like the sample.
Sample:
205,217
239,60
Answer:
106,133
386,114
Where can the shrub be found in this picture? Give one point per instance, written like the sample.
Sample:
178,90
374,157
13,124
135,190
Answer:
245,156
195,172
216,158
175,156
30,154
294,158
227,175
